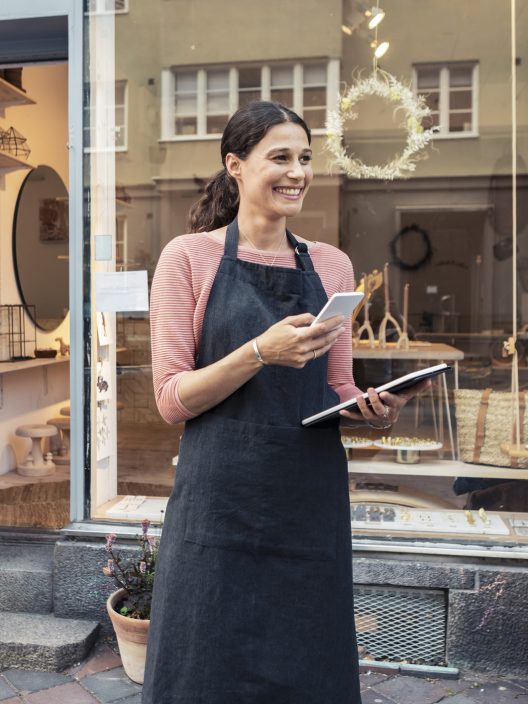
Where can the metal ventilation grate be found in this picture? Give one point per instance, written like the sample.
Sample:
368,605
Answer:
401,624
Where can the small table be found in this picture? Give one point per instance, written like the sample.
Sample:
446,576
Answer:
425,352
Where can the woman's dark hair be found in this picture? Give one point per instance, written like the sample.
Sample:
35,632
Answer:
218,205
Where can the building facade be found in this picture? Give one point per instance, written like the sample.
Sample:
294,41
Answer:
123,106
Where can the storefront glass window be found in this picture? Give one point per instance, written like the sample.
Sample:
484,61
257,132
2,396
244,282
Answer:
162,85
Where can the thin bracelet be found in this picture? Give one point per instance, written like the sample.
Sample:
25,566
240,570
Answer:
257,352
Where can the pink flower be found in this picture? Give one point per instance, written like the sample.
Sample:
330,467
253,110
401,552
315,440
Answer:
110,540
142,567
145,523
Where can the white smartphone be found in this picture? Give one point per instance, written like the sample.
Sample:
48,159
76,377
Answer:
339,304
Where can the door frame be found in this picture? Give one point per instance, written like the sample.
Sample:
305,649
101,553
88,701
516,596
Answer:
73,10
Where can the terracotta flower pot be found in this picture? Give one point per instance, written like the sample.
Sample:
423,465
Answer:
132,636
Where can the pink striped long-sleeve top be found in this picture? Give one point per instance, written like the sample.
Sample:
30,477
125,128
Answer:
180,290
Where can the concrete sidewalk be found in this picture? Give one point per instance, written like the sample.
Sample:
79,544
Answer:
101,680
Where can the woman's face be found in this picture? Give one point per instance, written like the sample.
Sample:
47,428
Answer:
277,173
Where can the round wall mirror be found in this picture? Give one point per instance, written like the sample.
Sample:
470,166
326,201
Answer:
40,246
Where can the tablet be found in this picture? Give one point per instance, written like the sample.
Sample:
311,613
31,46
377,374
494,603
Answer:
394,386
339,304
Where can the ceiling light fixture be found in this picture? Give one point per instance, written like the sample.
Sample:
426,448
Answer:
376,15
381,49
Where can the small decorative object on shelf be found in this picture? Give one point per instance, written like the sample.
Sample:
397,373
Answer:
407,449
12,142
388,317
45,353
15,338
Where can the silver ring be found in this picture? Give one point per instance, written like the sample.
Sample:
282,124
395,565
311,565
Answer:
386,412
315,356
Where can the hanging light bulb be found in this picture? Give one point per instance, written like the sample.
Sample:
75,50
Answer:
346,29
381,50
376,15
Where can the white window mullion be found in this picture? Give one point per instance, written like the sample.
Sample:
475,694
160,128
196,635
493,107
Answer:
332,85
474,98
265,83
168,102
201,102
444,100
233,90
298,86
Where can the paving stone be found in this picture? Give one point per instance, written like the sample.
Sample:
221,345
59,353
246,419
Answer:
5,690
369,679
31,681
460,699
71,693
412,690
369,696
14,700
111,685
104,658
498,693
135,699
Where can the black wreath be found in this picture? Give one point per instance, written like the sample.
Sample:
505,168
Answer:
428,247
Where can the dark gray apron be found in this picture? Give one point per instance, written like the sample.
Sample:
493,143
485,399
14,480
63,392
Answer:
253,592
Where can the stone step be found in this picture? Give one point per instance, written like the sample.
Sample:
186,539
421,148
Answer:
26,578
43,641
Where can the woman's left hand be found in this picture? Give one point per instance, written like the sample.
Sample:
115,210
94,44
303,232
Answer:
383,409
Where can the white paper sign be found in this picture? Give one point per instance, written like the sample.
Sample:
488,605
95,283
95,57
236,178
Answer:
121,291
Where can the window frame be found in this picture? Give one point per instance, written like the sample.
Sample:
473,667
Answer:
88,122
101,9
168,92
442,131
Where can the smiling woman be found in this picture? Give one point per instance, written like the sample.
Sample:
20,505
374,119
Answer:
256,540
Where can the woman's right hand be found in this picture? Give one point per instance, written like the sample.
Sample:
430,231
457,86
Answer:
293,341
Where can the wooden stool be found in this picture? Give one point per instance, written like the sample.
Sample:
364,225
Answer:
62,423
65,411
35,465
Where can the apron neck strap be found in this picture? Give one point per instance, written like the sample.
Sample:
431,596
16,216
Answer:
301,249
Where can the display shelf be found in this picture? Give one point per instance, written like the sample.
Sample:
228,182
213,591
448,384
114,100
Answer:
7,367
8,162
419,351
435,468
11,95
124,508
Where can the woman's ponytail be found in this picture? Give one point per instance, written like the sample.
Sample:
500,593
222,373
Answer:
218,205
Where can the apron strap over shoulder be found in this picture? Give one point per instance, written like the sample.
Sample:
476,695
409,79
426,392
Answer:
301,252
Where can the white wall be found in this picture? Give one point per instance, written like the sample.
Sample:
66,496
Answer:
32,395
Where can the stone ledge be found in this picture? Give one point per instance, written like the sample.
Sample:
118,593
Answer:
44,642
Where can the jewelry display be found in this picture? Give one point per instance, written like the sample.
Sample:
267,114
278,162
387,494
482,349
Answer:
403,340
374,516
388,318
355,441
407,448
367,327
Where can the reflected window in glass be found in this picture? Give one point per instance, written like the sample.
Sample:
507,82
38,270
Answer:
282,85
314,95
450,93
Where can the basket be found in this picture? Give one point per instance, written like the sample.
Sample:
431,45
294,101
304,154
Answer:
485,419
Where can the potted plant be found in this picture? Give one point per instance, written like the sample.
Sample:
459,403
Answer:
129,607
